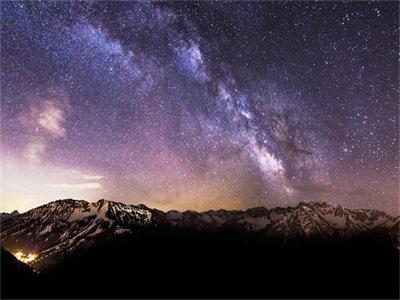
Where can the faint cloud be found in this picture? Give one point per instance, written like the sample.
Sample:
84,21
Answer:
44,122
34,151
92,177
51,118
86,176
79,186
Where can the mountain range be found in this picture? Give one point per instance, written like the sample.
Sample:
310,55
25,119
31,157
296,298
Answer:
65,225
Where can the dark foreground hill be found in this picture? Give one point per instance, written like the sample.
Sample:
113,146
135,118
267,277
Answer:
187,263
17,279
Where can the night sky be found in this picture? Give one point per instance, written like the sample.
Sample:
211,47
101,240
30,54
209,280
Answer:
187,105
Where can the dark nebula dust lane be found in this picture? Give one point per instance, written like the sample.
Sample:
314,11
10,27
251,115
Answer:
200,105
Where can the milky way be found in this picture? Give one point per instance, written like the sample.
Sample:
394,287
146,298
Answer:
200,105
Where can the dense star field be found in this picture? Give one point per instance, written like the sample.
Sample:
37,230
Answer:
188,105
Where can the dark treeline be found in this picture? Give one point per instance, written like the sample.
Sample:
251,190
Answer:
229,264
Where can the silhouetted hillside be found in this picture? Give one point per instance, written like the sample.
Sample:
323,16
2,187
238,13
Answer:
18,280
183,263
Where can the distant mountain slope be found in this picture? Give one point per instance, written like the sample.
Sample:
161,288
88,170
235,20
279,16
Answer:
5,216
305,219
63,225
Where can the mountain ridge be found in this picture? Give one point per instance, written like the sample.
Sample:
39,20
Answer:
65,225
5,215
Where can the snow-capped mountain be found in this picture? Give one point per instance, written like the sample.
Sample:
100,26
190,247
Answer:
305,219
63,225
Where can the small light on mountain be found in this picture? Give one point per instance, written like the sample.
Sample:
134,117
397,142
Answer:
25,258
